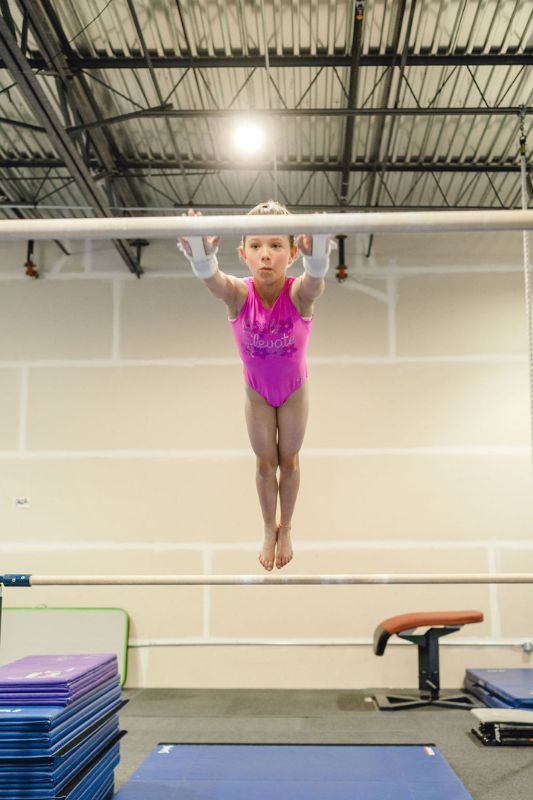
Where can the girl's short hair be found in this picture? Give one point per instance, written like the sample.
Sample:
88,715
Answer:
270,207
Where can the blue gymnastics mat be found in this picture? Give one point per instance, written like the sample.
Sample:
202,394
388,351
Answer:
294,772
502,688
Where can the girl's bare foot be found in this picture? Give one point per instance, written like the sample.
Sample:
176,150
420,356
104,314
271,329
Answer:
283,545
266,556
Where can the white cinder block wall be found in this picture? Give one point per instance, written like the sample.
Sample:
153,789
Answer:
122,420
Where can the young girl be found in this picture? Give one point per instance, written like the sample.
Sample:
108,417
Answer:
271,316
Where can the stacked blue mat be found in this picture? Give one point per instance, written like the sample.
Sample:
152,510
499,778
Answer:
501,688
59,729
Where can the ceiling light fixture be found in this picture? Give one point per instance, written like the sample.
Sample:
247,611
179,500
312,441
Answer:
248,138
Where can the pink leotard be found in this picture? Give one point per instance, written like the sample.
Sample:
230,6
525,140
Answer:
272,344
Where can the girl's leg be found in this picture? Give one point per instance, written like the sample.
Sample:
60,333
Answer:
292,421
261,423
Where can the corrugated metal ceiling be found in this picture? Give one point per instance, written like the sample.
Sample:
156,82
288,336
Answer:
128,56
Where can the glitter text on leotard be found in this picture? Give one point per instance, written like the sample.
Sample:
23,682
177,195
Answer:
275,339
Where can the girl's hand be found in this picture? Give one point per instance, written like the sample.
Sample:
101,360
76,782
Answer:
305,244
210,242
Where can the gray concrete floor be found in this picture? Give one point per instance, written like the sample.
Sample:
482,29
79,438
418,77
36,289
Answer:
304,717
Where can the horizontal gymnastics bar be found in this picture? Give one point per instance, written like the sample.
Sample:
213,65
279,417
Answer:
261,580
170,227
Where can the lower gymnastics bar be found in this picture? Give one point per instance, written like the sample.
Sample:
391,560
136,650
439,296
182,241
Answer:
260,580
171,227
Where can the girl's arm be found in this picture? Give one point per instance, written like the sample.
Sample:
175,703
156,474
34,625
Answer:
201,253
308,287
229,289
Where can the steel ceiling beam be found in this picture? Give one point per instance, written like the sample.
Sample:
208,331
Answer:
211,113
377,138
52,41
285,166
31,91
74,94
77,63
347,145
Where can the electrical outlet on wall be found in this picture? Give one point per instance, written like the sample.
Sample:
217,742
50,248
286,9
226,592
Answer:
22,502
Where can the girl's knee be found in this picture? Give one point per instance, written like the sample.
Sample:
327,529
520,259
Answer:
289,463
266,466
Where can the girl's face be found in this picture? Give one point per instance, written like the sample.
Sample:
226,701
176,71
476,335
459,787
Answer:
268,257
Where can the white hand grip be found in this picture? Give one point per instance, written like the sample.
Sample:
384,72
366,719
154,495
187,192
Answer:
316,265
320,245
196,243
204,265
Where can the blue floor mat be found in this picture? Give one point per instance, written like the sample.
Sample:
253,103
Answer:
294,772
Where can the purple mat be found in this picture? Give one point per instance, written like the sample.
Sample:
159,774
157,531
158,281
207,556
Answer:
54,679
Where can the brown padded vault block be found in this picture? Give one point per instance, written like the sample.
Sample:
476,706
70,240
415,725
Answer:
420,619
